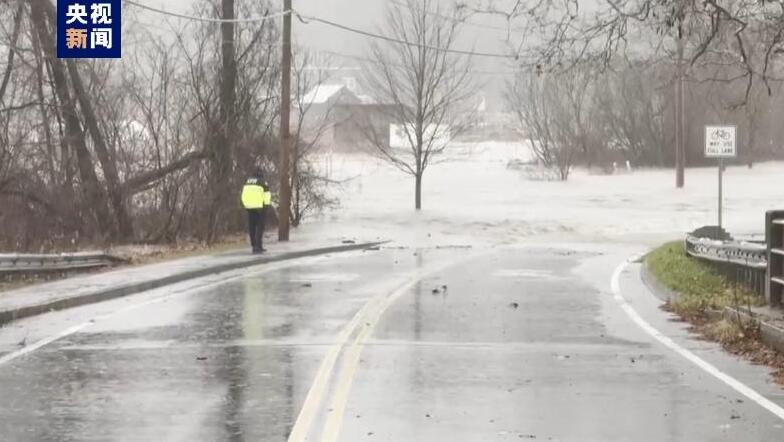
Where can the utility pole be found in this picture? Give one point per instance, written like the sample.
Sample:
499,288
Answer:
284,168
680,117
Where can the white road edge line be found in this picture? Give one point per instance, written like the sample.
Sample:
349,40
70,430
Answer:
46,341
733,383
77,328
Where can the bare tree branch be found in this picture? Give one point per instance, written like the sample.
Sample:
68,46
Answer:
423,89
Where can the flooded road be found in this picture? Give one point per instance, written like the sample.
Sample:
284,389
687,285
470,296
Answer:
522,343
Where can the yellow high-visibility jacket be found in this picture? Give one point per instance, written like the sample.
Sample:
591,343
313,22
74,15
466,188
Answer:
254,195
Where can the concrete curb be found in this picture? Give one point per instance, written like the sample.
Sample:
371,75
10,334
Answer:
137,287
650,281
769,334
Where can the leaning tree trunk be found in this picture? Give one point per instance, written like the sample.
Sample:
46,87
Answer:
62,167
108,165
91,188
125,227
223,141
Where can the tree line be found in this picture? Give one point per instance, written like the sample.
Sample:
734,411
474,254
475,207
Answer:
604,86
597,117
151,147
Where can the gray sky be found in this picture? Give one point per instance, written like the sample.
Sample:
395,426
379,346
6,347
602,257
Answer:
357,13
369,15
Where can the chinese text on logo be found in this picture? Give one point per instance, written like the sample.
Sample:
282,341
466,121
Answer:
89,28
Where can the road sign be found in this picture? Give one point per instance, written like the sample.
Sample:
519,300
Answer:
721,142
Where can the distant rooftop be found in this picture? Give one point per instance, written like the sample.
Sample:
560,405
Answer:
366,99
322,93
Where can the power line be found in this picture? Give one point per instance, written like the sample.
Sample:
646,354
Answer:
330,68
206,19
458,20
348,56
304,18
370,60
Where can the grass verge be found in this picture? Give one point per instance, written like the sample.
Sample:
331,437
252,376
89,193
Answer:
701,289
702,293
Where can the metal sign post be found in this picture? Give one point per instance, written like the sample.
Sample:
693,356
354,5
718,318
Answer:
721,143
721,189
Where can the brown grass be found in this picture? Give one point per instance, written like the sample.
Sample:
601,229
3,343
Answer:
702,293
741,339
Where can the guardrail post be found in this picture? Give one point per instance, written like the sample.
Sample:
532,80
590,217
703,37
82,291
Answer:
739,261
774,237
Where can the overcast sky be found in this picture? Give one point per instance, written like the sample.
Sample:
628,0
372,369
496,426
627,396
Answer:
369,15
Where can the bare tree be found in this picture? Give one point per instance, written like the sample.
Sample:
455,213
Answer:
250,104
749,33
531,104
630,106
43,19
554,111
222,141
133,171
745,37
423,82
307,184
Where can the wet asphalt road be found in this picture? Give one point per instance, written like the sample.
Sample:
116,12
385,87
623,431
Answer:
393,345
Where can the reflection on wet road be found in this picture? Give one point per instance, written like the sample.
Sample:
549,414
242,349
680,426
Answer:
395,345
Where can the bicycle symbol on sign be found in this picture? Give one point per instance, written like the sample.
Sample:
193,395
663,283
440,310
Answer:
721,134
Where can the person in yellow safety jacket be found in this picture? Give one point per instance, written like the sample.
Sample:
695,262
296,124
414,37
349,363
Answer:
255,196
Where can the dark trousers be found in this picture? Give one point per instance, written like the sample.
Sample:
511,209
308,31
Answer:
256,228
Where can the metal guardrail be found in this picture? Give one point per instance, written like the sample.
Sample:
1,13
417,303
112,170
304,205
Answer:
31,263
750,254
740,262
